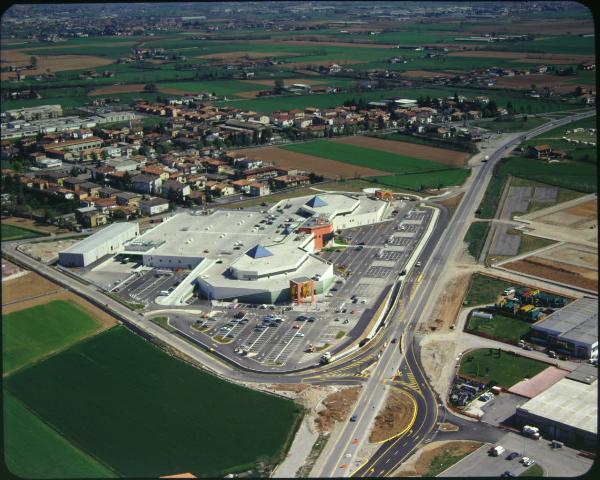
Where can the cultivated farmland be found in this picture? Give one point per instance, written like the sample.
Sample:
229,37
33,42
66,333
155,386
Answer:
367,157
32,449
33,333
10,232
448,157
147,414
425,180
284,158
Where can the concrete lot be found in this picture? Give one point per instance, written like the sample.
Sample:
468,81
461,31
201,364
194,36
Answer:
563,462
501,407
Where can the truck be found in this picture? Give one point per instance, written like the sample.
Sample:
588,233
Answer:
486,158
532,432
497,450
325,358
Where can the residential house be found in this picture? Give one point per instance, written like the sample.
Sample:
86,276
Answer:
539,151
259,189
146,183
286,181
173,187
154,206
128,199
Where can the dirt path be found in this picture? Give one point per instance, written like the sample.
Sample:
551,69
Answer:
337,408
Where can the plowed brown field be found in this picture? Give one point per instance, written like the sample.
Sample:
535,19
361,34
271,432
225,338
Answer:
560,84
321,166
441,155
524,56
133,87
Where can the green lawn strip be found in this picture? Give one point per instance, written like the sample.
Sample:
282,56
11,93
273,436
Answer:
11,232
340,334
485,290
129,305
533,471
325,346
491,365
163,322
426,180
32,449
491,198
33,333
444,461
147,414
564,194
367,157
504,328
475,237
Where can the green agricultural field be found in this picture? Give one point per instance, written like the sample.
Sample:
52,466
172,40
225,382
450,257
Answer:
431,142
10,232
569,174
31,334
426,180
484,290
491,365
146,414
506,329
514,125
491,198
475,237
367,157
32,449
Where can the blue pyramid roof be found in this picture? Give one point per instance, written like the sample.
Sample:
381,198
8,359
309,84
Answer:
316,201
258,251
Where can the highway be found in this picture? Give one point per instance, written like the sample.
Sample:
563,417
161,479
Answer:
394,369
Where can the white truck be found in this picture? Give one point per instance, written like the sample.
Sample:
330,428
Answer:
325,358
497,450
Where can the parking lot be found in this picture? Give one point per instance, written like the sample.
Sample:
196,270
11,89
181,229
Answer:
365,269
556,462
144,285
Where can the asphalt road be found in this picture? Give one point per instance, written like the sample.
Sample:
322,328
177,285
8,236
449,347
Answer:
416,298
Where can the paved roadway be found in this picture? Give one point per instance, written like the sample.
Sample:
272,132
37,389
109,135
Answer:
395,451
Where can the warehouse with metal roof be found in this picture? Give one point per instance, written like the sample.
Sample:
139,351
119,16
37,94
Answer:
572,329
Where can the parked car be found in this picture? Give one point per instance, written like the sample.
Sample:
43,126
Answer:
513,455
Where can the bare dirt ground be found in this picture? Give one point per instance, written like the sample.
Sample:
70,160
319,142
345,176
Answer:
9,269
46,251
524,56
418,465
22,289
557,271
577,255
453,201
574,216
394,417
337,408
33,225
448,157
55,63
586,209
449,304
560,84
321,166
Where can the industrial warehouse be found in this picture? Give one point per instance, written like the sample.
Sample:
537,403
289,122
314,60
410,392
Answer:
265,256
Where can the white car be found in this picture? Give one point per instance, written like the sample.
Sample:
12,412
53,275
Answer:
299,334
527,461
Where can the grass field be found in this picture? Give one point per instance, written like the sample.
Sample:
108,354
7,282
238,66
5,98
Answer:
484,290
507,329
475,237
147,414
10,232
490,365
529,243
400,137
225,87
425,180
33,333
355,155
491,198
34,450
514,125
533,471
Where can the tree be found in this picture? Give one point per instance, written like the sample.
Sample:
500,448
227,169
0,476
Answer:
578,91
33,61
150,87
94,157
278,85
103,155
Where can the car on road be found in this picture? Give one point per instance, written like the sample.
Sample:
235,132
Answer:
353,418
301,318
513,455
311,319
299,334
394,340
418,264
296,327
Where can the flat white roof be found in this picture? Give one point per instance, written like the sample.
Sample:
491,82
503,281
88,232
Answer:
577,321
100,237
567,402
